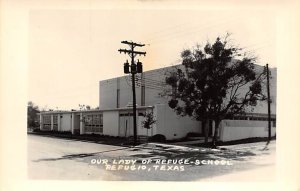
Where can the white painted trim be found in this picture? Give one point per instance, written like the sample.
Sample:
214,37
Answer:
58,123
41,122
81,124
52,122
72,123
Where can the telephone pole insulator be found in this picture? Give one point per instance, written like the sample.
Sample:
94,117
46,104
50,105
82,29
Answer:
139,67
126,67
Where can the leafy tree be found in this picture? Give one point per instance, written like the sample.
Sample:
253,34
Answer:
32,117
214,83
149,121
84,107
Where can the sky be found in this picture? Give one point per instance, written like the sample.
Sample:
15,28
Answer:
70,51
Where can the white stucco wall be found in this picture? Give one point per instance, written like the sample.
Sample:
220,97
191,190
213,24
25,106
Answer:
154,81
154,85
108,93
126,92
143,131
111,123
65,122
172,125
242,129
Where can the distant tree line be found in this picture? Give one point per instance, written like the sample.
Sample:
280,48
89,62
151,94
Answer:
32,117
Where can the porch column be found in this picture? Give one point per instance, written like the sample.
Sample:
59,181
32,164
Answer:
51,122
41,122
81,124
72,123
58,122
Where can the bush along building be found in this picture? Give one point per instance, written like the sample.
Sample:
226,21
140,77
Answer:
115,116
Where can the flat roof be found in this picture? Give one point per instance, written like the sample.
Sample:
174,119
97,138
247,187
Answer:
96,110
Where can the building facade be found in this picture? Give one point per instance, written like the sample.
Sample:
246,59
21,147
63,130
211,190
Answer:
115,117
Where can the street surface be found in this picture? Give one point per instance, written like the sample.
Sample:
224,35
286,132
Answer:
63,159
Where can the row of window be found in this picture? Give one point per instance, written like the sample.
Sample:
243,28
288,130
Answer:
93,123
251,118
47,119
273,120
93,120
97,119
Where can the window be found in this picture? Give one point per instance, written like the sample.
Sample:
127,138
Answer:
46,122
55,122
93,123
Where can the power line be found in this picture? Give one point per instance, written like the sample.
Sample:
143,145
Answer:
173,35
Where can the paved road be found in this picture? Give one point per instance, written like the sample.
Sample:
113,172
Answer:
62,159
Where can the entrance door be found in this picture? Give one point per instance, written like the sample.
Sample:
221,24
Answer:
125,126
122,126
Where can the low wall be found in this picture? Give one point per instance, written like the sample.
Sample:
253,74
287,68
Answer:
242,129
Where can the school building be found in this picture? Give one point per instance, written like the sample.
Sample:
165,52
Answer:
115,117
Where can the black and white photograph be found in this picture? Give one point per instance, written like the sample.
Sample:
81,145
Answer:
153,92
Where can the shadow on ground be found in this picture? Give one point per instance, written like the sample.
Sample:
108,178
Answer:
93,138
165,152
200,154
77,156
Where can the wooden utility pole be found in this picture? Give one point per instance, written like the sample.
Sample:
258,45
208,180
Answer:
134,69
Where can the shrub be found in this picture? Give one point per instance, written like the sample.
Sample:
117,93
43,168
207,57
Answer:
158,138
36,130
